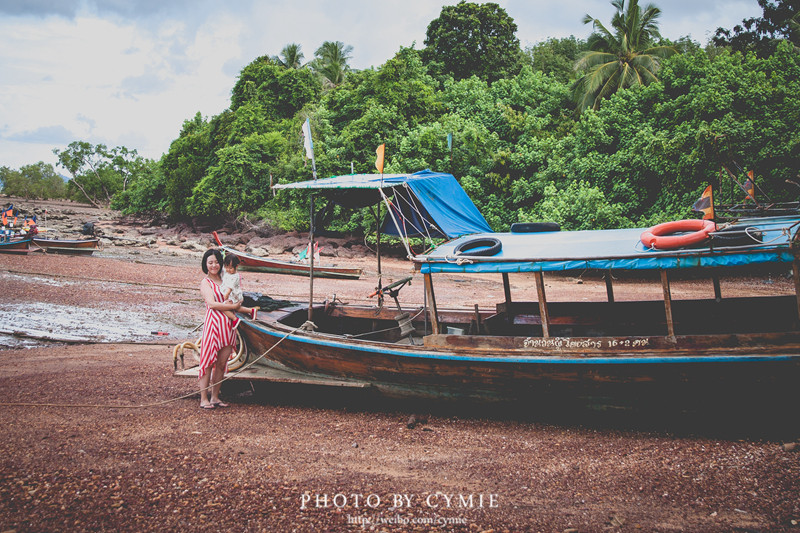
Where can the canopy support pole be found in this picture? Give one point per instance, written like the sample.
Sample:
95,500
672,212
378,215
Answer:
311,264
717,288
609,287
543,312
507,292
431,304
378,244
667,304
796,273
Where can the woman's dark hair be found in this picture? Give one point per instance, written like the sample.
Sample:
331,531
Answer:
211,251
231,260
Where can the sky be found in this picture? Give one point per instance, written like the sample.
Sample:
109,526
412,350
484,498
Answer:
130,72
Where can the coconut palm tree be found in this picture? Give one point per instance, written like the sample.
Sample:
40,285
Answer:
331,61
624,57
290,57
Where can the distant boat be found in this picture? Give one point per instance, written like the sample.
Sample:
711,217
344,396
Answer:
68,246
19,246
263,264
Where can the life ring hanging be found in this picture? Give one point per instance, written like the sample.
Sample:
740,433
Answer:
660,238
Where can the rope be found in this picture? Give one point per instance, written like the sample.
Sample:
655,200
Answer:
404,241
162,402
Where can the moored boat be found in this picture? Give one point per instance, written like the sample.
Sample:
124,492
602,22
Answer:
17,246
677,350
67,246
276,266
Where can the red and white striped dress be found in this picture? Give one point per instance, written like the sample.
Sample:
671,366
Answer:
217,332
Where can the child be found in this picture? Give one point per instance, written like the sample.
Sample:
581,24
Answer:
231,289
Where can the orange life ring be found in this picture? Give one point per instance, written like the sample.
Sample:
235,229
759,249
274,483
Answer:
659,236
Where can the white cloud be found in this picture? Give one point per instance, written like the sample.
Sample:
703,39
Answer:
129,73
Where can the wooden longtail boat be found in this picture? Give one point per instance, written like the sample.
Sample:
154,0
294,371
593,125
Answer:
699,350
19,246
68,246
263,264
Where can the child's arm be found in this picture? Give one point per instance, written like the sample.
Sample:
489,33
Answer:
226,293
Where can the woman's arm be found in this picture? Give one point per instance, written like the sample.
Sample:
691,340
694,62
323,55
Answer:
208,295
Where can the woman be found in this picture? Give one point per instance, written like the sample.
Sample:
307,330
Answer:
219,336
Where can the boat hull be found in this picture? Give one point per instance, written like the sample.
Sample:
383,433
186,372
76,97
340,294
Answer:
479,368
15,247
261,264
68,246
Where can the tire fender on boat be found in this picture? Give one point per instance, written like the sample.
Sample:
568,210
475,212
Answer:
660,236
482,246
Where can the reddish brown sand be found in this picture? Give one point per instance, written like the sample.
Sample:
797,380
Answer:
79,454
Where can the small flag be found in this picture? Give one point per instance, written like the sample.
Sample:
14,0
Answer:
705,204
450,141
308,144
379,160
750,187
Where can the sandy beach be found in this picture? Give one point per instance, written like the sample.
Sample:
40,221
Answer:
100,436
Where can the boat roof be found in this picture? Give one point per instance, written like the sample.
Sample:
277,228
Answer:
612,249
426,203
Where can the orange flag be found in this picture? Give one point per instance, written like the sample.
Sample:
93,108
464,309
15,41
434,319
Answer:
705,204
379,160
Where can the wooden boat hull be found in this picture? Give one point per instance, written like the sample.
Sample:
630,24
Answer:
68,246
262,264
475,367
15,247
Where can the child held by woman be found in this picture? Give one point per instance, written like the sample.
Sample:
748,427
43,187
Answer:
232,291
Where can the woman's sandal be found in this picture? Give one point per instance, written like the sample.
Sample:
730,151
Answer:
221,405
208,406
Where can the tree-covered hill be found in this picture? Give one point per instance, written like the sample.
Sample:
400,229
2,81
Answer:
508,123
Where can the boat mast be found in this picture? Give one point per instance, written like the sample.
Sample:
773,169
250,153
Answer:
311,234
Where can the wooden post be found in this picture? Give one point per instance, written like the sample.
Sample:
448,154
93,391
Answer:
717,288
542,304
431,304
507,292
667,303
609,287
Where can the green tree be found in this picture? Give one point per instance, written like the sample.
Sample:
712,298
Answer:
185,164
330,61
38,180
290,57
146,193
580,206
97,172
761,34
622,57
556,57
470,39
278,92
239,181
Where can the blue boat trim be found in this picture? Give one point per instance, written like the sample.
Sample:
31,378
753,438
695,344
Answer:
350,345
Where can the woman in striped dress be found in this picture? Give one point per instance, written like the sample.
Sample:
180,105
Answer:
219,337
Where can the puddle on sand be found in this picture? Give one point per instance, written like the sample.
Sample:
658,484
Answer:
92,324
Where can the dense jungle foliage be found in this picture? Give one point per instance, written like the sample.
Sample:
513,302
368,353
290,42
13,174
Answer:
521,146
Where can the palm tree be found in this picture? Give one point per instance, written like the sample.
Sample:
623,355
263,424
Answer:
331,61
623,58
291,56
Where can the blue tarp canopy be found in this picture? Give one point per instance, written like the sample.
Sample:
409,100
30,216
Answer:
423,204
613,249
